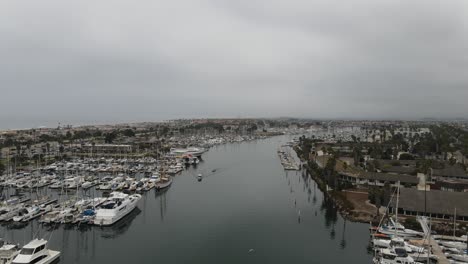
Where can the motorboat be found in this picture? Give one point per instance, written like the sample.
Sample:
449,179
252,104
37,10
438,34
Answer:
87,185
393,256
197,152
27,214
36,252
8,252
116,206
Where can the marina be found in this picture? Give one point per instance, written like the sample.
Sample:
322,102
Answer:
293,221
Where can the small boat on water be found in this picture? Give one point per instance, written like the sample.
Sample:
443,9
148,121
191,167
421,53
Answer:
163,183
36,252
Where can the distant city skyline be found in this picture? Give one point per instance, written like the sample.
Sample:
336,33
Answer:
108,62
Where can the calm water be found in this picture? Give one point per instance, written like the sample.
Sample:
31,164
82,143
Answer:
244,214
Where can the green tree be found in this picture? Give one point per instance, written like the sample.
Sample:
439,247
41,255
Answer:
128,132
110,137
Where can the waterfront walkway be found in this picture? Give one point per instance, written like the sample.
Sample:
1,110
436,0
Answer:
436,250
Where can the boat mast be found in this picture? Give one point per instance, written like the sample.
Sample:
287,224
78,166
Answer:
396,212
454,222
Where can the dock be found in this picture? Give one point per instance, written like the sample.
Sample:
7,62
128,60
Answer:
436,250
287,160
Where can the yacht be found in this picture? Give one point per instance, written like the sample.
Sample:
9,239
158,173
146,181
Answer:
197,152
7,253
117,206
36,252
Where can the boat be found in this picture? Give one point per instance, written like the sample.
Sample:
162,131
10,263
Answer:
197,152
396,242
36,252
27,214
163,183
50,217
8,212
56,185
8,252
117,206
393,256
87,185
395,228
454,244
154,178
459,257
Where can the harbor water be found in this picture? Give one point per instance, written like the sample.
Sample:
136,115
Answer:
249,211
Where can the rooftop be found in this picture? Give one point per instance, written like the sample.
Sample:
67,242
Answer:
438,202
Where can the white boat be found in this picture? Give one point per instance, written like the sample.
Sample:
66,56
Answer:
7,253
8,212
197,152
56,185
72,183
399,230
27,214
454,244
154,178
115,208
396,242
394,256
459,257
36,252
50,217
87,185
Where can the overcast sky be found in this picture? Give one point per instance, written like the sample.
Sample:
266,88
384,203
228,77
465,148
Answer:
96,61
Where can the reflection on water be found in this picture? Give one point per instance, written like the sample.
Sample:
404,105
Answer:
161,194
120,227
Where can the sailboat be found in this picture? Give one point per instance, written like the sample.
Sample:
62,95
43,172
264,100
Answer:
164,182
394,228
397,252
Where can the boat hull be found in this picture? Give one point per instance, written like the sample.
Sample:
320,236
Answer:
103,219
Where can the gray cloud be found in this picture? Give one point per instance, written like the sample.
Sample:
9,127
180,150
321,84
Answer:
115,61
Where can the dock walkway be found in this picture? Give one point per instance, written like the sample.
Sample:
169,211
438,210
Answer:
436,250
